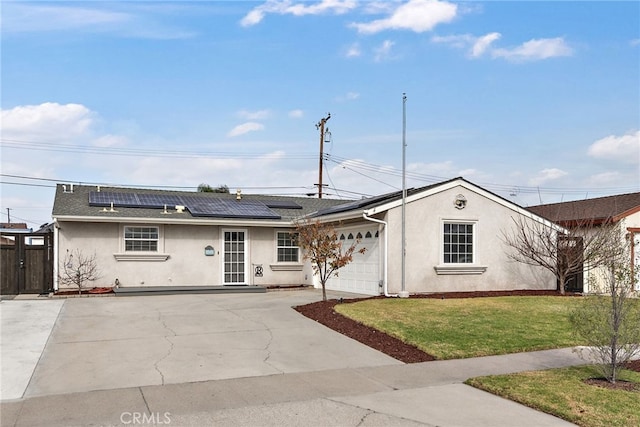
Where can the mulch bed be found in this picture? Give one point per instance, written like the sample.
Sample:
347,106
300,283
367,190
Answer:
618,385
323,312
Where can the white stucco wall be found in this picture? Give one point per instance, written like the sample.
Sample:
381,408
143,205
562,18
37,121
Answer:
424,223
593,279
186,264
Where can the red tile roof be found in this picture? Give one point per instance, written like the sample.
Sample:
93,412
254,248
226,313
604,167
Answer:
14,226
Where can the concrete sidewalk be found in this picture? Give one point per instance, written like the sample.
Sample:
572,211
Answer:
429,393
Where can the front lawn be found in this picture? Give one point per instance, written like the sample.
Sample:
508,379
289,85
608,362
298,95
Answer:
470,327
563,393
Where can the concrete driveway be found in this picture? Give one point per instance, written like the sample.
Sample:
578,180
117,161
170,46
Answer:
110,343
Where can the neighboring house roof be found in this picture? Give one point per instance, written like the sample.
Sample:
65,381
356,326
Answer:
13,226
598,210
45,228
91,203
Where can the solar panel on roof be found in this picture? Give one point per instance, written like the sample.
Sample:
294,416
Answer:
282,204
197,206
158,200
252,209
106,198
232,209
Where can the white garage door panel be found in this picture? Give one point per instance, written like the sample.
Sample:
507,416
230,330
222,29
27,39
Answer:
362,275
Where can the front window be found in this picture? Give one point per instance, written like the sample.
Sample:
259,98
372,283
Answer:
141,239
458,243
288,249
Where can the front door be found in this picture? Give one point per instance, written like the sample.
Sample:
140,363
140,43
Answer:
234,260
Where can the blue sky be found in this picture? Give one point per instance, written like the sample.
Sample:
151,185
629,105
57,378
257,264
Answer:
535,101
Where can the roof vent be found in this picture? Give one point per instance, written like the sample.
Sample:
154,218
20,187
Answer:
109,210
238,194
180,209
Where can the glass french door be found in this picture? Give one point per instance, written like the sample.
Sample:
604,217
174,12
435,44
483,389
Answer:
234,257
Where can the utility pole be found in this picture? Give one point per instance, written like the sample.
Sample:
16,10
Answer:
9,215
320,126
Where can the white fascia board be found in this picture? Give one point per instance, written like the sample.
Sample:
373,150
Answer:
176,221
342,216
471,187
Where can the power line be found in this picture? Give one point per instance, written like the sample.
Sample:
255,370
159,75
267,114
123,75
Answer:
358,164
104,184
135,152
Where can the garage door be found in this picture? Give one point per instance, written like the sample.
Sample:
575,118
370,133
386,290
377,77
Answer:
362,275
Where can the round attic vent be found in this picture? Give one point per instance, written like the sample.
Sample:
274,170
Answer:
460,202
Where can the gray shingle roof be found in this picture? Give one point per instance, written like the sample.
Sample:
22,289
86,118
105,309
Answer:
76,204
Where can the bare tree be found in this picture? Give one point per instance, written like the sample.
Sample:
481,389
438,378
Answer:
325,251
78,269
609,321
582,245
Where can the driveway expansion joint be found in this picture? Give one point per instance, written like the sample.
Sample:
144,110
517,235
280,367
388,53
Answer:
171,346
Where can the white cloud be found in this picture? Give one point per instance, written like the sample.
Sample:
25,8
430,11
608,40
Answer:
460,41
625,148
254,115
383,51
353,51
467,172
110,141
605,179
635,42
547,175
349,96
476,46
245,128
296,114
416,15
535,49
286,7
483,43
29,17
46,122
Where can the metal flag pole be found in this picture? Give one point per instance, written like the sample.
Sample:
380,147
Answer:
403,293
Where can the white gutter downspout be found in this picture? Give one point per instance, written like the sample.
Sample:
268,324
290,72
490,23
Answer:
56,240
386,253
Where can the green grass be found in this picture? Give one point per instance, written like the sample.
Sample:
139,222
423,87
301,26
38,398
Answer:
562,392
472,327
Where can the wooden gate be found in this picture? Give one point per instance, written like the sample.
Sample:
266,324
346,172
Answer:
27,263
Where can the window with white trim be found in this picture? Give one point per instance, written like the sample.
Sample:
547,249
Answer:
141,239
458,243
287,246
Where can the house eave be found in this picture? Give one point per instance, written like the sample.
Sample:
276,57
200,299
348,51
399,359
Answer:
342,216
176,221
626,213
